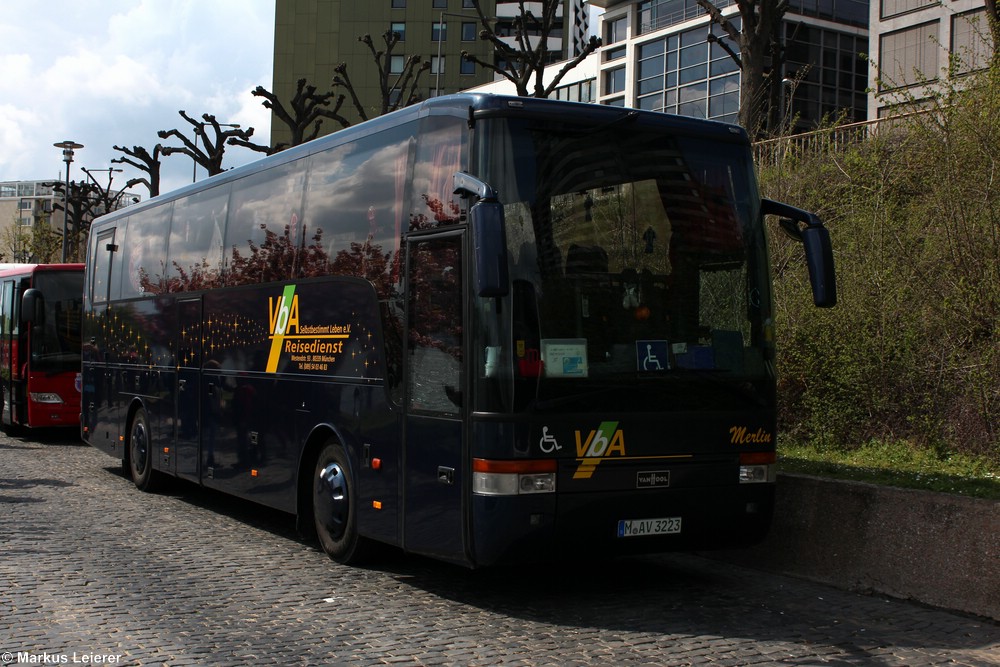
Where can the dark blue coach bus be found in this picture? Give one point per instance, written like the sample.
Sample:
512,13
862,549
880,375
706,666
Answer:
483,329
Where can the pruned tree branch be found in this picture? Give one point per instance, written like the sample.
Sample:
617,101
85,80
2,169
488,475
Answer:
524,65
212,149
143,161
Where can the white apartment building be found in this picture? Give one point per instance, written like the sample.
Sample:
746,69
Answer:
26,203
657,55
917,43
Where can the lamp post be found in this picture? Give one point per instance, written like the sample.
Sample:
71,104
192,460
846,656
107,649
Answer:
194,169
68,148
789,84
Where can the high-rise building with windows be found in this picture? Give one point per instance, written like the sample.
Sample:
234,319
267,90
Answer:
917,43
312,37
666,55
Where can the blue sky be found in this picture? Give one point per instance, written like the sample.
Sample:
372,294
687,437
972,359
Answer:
114,72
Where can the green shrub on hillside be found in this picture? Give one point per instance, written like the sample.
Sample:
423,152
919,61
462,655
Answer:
912,350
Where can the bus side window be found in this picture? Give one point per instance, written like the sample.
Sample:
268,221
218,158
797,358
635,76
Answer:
435,355
103,255
195,247
143,259
441,144
264,236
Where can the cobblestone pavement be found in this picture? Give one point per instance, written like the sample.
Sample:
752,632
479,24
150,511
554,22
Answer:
93,571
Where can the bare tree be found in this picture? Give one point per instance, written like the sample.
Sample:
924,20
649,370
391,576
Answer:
759,43
84,204
396,91
143,161
87,201
304,116
107,198
524,64
307,109
212,149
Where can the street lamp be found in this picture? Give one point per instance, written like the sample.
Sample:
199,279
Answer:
194,169
789,84
68,148
110,170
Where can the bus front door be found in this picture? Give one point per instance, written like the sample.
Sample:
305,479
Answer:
433,476
8,353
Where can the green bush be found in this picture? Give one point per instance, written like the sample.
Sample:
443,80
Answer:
912,351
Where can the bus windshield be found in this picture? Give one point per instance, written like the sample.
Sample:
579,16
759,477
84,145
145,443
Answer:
55,346
639,276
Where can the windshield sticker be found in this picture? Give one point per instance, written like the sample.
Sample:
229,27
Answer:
564,357
652,355
606,441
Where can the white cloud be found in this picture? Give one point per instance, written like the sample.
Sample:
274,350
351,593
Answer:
106,74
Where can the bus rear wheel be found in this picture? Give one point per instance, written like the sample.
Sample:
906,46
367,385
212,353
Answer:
140,453
335,507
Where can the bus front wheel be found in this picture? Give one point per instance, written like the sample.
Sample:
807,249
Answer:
335,506
140,453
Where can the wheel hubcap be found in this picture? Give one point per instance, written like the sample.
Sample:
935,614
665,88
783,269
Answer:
331,500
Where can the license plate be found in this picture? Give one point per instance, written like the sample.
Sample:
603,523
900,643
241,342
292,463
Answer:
641,527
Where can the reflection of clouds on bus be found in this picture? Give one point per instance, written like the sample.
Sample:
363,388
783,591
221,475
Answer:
439,156
356,197
195,250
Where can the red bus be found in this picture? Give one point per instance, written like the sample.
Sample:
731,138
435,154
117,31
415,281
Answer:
40,309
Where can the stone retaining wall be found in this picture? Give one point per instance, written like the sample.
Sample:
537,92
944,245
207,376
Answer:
935,548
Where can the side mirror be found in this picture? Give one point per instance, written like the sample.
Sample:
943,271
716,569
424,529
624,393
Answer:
819,258
489,236
33,307
791,229
819,251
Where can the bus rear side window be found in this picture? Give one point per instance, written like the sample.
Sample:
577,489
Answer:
195,248
264,237
102,262
142,253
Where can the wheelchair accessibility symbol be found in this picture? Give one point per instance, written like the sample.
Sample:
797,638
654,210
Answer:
548,443
652,355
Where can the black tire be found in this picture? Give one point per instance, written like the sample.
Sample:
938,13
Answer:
140,453
334,504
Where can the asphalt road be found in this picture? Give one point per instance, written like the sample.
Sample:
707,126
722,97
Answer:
94,572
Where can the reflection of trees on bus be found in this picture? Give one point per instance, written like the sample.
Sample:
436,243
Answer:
435,273
442,213
278,258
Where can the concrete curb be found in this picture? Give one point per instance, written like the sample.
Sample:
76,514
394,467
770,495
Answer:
935,548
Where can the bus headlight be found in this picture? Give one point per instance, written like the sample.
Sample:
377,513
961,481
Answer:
45,397
757,467
512,478
756,474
